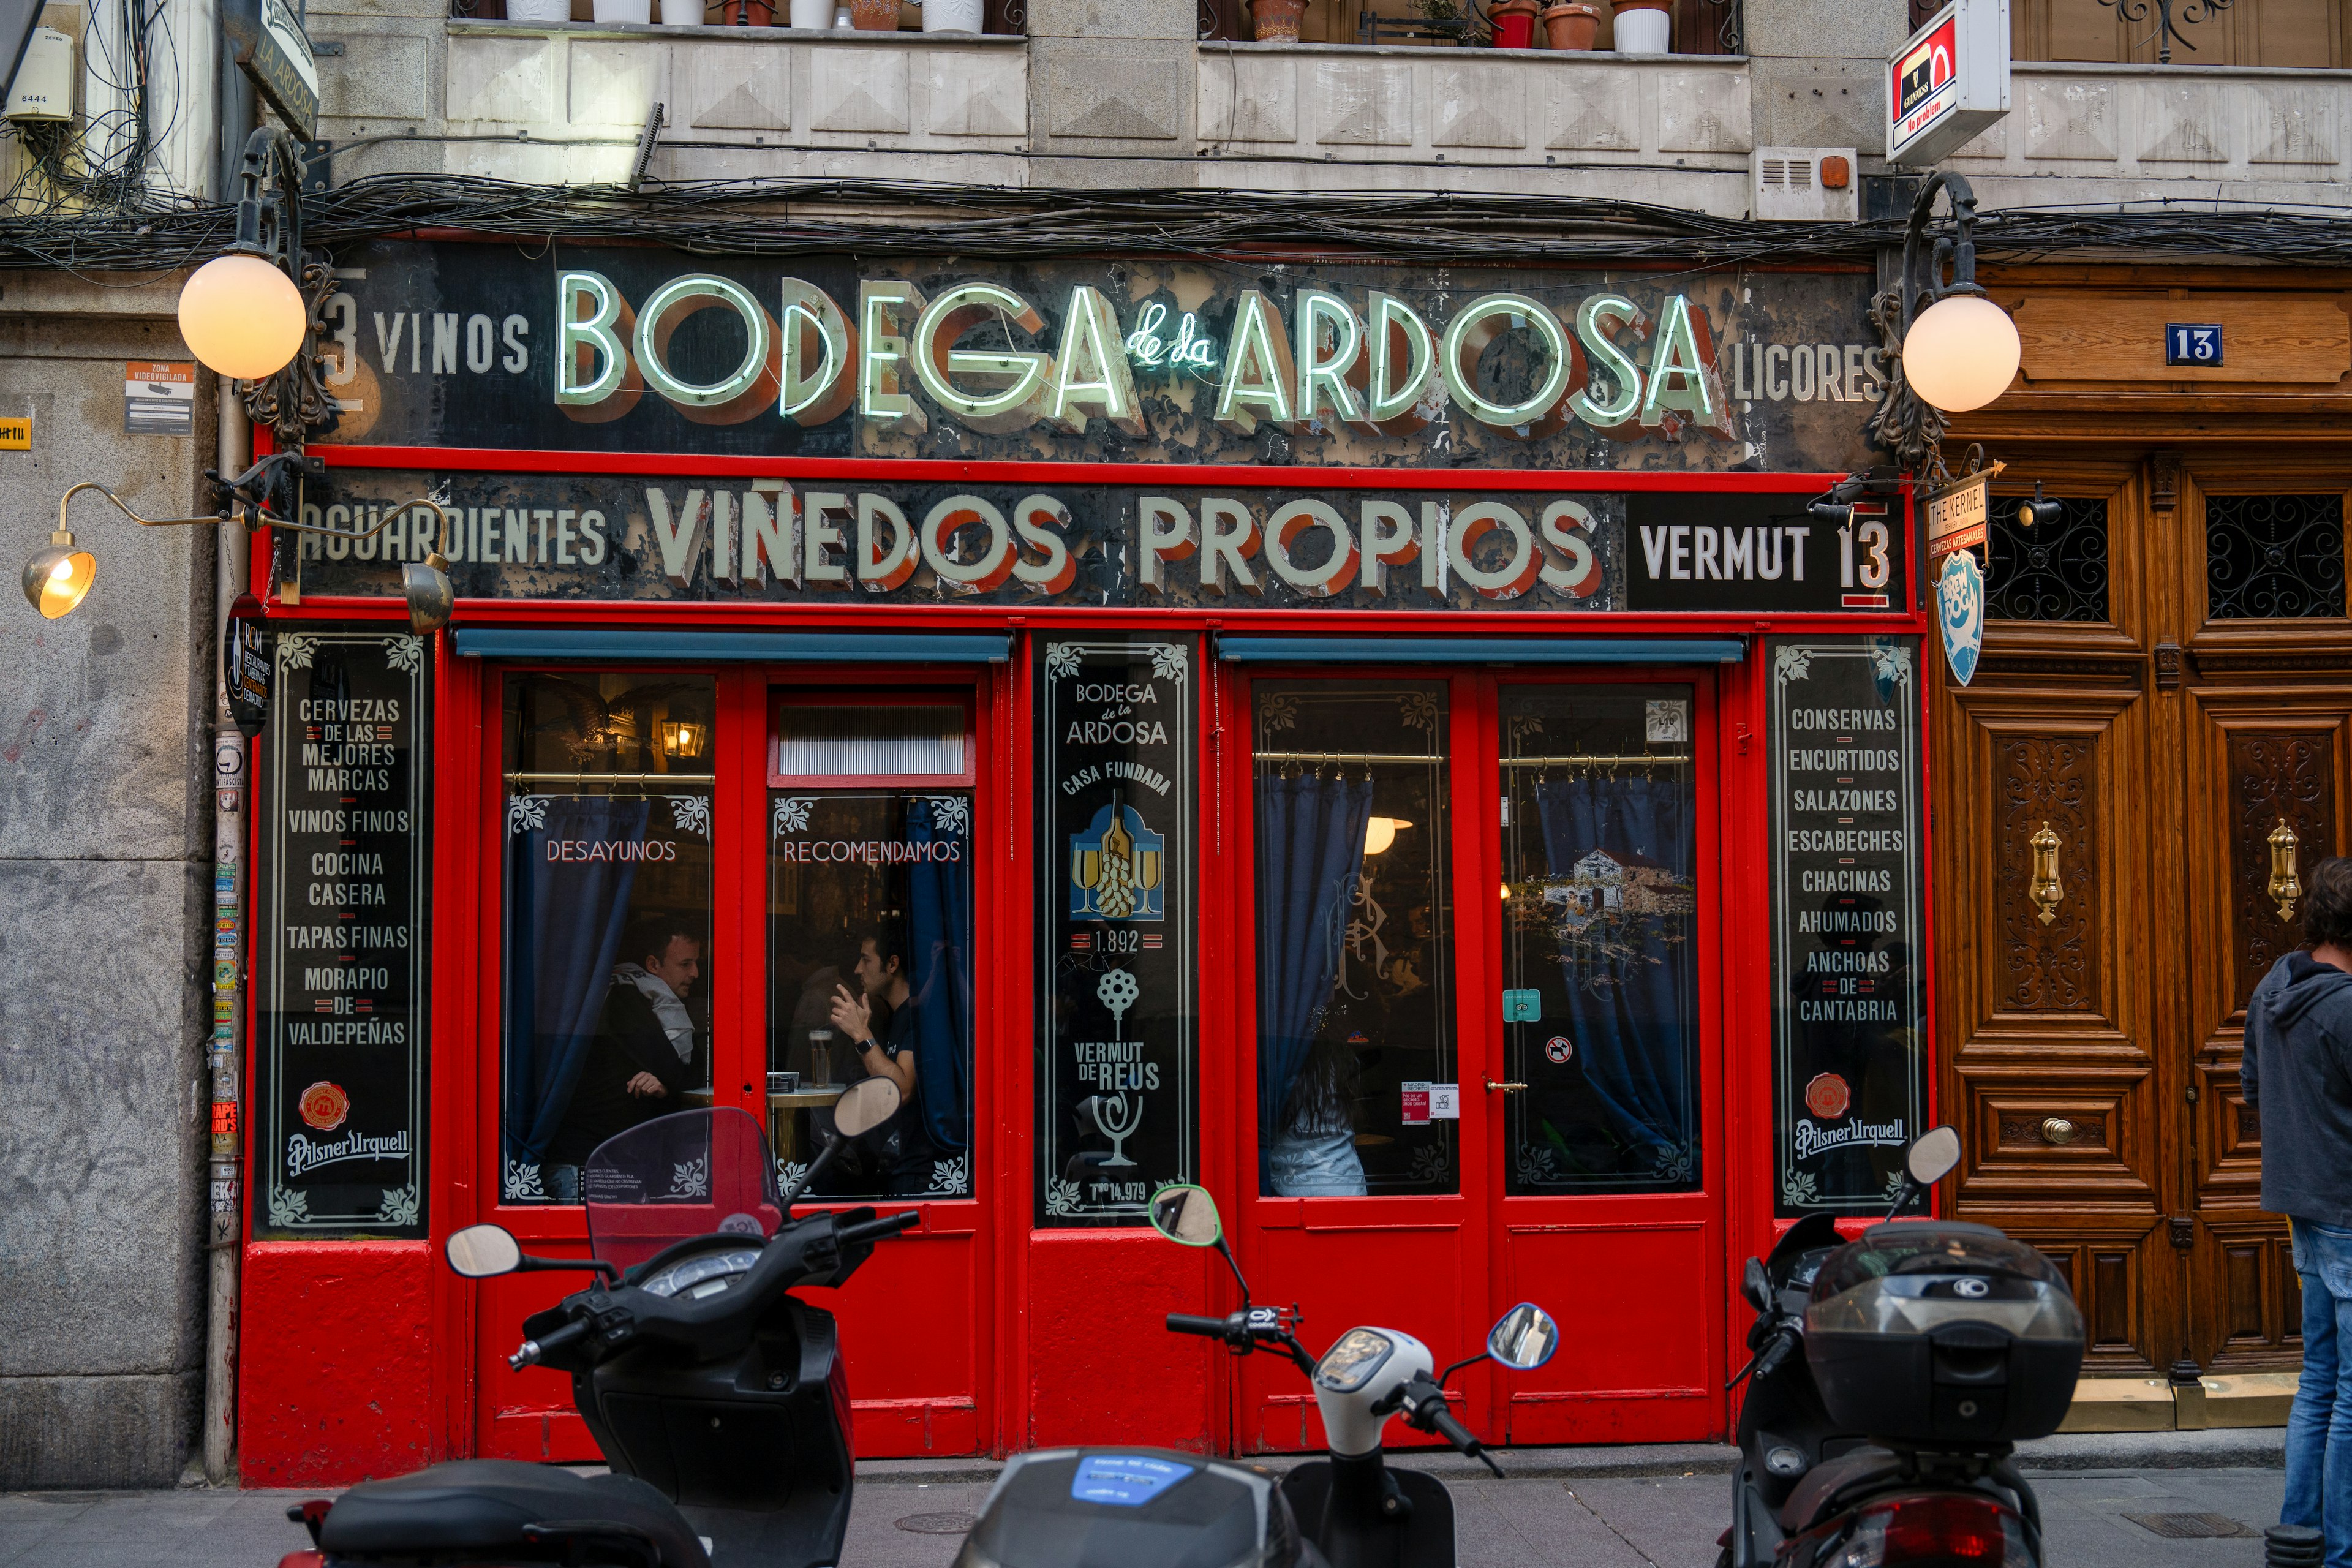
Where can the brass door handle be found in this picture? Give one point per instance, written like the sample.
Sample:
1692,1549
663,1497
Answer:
2046,889
2283,886
1505,1087
2057,1130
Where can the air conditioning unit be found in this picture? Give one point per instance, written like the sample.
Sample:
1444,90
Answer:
44,86
1803,185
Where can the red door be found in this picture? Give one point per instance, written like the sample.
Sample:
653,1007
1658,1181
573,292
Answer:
748,889
1488,1069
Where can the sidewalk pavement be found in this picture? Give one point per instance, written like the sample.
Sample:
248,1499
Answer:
2107,1502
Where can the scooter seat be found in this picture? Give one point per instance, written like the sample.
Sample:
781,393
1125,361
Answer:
483,1505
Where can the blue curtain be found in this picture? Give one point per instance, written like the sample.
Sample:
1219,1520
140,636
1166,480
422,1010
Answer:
938,919
1626,996
1310,851
564,934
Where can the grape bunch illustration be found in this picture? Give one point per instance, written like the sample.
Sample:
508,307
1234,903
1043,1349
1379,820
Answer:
1117,991
1115,894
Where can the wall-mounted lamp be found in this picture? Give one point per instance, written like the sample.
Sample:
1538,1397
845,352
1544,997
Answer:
248,315
2030,513
1381,832
58,579
683,737
1951,349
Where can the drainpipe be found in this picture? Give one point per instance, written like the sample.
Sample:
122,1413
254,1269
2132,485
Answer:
223,1230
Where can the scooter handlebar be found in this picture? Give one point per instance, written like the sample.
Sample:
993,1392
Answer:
531,1351
1192,1324
875,1229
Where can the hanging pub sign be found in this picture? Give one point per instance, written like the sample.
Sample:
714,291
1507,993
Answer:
1959,611
604,537
339,1100
247,670
640,349
1117,1099
1947,83
1848,1033
1959,513
269,45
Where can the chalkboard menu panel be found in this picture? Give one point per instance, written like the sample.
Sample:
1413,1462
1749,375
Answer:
1849,1041
1117,1101
339,996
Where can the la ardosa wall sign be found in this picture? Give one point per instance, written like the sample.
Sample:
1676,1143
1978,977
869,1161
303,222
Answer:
644,349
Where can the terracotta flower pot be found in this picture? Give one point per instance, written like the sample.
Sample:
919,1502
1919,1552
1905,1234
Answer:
1514,24
874,15
1276,21
1571,25
1643,26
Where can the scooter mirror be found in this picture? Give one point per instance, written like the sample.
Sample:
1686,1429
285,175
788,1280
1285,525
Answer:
483,1251
1524,1338
1931,1159
1187,1213
1757,1285
864,1106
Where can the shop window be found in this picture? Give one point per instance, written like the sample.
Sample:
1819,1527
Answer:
869,974
871,739
1599,903
1355,941
2274,558
608,967
2052,571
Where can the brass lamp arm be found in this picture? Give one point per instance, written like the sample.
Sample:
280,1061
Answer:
441,535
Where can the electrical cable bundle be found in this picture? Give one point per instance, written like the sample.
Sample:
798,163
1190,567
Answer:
785,217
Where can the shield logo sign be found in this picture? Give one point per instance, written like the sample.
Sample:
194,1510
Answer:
1959,597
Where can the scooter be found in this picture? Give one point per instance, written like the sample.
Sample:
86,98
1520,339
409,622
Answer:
1141,1508
1892,1377
719,1398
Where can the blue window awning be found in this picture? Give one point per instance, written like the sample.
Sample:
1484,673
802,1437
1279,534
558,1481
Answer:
609,645
1480,650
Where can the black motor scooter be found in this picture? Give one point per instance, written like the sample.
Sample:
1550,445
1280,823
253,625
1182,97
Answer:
719,1398
1892,1377
1149,1507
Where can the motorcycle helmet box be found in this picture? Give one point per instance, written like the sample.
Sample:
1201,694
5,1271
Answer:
1937,1332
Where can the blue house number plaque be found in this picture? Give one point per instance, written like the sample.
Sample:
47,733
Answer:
2192,343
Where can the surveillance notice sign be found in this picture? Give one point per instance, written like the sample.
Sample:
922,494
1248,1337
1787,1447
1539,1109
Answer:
1116,1105
159,398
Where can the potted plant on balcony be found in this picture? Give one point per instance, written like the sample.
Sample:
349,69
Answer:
1512,23
1644,26
1570,25
874,15
1276,21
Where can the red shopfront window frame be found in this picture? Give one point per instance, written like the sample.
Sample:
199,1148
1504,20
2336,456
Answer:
786,690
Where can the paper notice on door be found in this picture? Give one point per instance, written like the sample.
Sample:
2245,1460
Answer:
1445,1102
1416,1103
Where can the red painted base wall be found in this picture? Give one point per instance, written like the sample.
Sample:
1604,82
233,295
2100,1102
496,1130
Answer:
1103,1367
333,1354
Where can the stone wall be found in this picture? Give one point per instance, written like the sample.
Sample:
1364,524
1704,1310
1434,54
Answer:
105,867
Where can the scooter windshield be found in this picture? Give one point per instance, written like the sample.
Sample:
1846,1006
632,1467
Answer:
698,1173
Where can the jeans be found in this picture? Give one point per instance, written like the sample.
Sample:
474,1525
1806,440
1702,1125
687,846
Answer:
2319,1426
1312,1165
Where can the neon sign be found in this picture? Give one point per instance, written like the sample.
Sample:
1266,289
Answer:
1607,364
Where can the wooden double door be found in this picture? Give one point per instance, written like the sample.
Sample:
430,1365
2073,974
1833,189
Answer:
2163,703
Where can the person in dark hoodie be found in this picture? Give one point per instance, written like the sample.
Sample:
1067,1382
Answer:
2297,1073
646,1055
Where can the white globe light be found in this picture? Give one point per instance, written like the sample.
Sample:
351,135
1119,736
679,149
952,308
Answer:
1961,353
242,316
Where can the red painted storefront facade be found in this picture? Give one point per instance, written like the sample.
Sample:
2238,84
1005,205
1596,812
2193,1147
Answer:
985,1330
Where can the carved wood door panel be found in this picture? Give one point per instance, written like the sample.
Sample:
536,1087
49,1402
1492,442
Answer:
2050,1036
2261,758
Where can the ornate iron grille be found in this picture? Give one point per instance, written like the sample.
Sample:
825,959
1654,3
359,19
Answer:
2274,558
2052,571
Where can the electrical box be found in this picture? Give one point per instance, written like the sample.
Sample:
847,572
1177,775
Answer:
44,88
1803,185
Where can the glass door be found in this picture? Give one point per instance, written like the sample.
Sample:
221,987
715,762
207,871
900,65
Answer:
1480,913
1608,1087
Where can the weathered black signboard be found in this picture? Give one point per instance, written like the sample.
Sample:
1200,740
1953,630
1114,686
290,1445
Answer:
638,349
1848,1033
340,1095
1117,1096
1235,547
